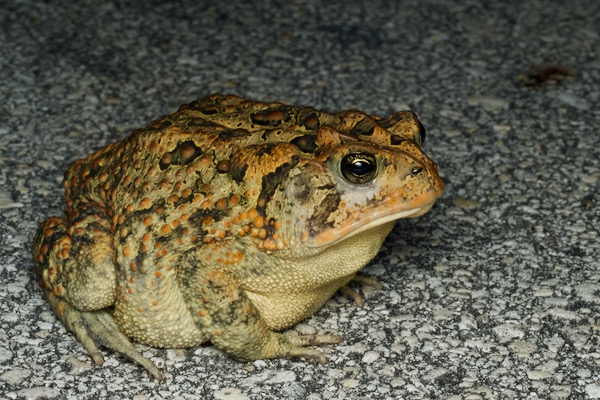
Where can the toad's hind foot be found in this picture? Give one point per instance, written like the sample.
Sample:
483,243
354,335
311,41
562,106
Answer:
361,280
299,343
98,328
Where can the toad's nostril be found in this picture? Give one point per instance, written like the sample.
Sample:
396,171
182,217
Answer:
416,170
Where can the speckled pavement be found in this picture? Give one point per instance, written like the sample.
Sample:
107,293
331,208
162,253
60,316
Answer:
495,294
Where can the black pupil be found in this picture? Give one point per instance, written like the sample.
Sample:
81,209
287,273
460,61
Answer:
360,167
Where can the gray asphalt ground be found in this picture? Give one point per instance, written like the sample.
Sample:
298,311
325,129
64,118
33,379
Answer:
495,294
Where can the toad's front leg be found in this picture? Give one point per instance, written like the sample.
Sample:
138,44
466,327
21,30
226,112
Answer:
226,316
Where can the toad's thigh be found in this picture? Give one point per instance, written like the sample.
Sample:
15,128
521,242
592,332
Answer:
74,259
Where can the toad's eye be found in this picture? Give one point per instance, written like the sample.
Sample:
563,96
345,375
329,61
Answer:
422,134
359,168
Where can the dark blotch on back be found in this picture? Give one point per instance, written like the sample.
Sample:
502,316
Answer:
266,149
391,120
209,110
272,180
364,128
270,117
197,217
234,134
206,109
396,140
305,144
195,122
237,170
183,154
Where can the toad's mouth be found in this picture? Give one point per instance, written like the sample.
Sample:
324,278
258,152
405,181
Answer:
384,214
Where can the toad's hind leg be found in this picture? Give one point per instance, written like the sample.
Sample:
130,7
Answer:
98,328
75,261
226,315
75,267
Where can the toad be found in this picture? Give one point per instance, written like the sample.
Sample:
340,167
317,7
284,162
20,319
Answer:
227,222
